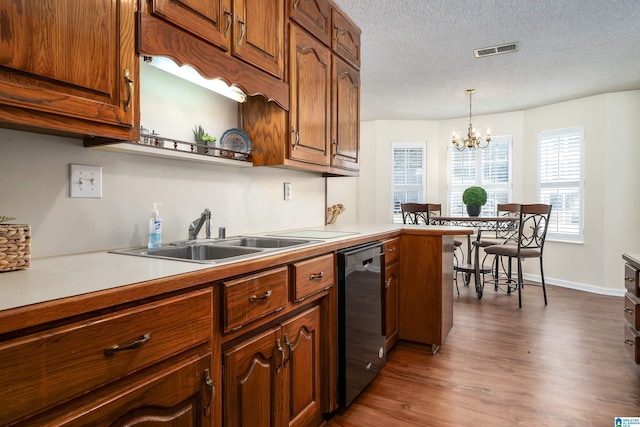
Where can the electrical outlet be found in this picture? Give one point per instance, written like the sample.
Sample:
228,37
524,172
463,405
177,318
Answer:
287,191
85,181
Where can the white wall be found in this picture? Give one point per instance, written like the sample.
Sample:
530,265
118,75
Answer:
34,173
611,174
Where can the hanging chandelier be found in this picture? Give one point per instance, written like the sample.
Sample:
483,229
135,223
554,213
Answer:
474,138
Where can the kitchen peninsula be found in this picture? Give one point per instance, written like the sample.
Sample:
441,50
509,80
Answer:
84,337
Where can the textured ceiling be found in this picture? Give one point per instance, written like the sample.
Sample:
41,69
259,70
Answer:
417,55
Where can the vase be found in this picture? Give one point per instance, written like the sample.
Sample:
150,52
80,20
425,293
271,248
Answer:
474,210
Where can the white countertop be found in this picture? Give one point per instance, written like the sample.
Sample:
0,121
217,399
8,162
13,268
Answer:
58,277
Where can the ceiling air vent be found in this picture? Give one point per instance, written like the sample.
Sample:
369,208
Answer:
496,50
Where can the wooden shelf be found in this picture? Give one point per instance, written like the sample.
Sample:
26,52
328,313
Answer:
180,150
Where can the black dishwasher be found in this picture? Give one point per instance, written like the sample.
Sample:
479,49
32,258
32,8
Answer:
361,336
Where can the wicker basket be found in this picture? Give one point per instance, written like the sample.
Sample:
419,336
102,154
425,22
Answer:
15,247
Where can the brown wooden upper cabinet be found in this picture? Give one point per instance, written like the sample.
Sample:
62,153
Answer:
69,65
345,139
252,30
314,16
208,19
310,98
346,38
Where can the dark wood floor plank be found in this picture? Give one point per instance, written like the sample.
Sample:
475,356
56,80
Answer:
563,365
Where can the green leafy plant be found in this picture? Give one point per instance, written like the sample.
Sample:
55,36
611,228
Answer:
200,135
6,219
474,196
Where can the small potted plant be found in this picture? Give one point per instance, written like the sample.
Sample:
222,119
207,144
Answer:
203,138
475,198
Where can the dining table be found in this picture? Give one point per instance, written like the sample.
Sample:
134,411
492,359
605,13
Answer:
501,225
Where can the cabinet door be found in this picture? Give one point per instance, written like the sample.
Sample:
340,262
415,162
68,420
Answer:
345,115
314,16
69,58
207,19
258,34
301,335
253,384
391,282
179,394
346,38
310,88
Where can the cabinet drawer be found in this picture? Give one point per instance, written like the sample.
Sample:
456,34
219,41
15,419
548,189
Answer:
252,297
632,342
631,280
391,250
631,313
43,369
313,275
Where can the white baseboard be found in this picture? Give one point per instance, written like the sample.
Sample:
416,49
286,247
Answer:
577,286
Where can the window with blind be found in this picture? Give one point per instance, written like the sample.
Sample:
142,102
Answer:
489,168
408,175
560,181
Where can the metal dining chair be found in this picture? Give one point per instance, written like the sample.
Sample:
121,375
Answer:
532,231
503,234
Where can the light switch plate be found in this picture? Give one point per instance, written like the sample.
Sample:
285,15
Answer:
85,181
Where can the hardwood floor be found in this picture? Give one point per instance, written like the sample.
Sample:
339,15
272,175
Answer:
560,365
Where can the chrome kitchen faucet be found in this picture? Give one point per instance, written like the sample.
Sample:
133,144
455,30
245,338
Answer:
196,225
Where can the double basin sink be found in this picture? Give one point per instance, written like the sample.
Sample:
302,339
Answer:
210,251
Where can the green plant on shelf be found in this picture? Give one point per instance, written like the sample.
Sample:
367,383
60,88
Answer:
5,219
201,136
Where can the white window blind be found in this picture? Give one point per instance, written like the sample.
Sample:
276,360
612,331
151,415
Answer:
560,180
408,175
488,167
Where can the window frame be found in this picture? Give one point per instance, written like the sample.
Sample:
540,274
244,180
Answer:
488,209
396,218
563,133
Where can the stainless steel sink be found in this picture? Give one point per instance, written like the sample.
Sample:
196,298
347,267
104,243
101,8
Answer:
261,242
210,251
201,252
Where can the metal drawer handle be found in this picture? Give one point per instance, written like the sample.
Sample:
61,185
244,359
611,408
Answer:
282,355
288,343
228,18
628,310
254,298
211,387
629,279
115,348
242,25
629,342
316,276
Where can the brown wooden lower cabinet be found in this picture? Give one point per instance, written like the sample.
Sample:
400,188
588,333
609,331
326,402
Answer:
425,297
45,371
273,378
177,395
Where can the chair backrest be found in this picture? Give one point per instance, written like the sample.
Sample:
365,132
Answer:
419,213
508,230
532,228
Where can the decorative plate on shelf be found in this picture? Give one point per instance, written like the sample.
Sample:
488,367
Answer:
235,140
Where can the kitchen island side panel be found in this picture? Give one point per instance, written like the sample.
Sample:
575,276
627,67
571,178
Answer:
425,295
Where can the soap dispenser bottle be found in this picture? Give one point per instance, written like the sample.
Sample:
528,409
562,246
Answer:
155,228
